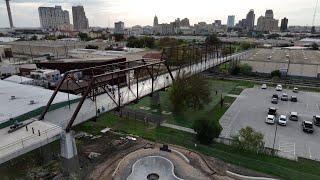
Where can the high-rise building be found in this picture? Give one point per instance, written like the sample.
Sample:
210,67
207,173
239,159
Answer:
185,22
269,14
250,20
284,25
80,21
53,17
217,22
155,21
267,23
230,22
119,27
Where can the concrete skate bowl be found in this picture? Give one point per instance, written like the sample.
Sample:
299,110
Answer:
153,168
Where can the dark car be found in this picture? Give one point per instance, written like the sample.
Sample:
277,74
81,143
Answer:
275,96
316,120
307,126
294,99
272,111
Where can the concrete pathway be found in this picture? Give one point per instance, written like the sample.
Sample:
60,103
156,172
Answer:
180,128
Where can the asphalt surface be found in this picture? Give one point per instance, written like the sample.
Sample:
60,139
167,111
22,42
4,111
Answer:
251,107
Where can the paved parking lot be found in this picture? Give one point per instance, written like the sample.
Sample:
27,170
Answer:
250,109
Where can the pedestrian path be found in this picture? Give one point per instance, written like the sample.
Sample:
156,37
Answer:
180,128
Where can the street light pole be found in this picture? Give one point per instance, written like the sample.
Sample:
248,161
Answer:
275,136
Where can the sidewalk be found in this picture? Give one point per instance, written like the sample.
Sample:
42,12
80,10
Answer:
180,128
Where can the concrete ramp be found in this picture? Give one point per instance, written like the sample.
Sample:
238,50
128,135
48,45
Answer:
154,166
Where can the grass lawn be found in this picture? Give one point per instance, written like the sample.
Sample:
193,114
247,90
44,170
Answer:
186,119
283,168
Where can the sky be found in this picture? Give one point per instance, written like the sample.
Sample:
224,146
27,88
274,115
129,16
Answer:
104,13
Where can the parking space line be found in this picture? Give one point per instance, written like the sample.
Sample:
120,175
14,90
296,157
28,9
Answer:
310,152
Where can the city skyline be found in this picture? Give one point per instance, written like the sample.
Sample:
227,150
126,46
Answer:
25,12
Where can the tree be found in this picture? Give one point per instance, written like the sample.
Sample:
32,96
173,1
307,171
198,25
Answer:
275,73
118,37
245,46
84,37
249,140
34,38
192,92
315,46
206,129
212,39
92,47
245,69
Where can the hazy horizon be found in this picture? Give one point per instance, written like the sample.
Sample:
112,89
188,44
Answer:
104,13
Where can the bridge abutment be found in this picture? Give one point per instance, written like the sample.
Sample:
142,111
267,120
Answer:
69,154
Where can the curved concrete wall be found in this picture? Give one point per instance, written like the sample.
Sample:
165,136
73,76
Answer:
153,164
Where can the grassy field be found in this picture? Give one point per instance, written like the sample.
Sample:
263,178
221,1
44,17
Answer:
283,168
218,88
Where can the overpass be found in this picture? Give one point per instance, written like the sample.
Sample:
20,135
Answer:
143,78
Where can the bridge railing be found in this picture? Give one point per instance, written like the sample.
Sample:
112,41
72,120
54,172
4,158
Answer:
37,137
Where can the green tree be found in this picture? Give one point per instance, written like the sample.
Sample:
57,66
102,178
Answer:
192,92
249,140
92,47
118,37
276,73
213,39
315,46
34,38
207,129
84,36
245,69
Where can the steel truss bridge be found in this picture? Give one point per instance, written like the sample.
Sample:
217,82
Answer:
115,86
108,91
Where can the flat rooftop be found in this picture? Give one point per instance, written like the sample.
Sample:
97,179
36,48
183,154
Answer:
24,94
278,55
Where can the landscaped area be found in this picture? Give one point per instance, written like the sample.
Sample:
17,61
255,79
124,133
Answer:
218,88
286,169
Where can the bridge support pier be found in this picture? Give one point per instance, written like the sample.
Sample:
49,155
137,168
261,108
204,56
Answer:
70,161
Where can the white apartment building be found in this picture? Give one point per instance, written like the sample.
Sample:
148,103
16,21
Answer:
53,17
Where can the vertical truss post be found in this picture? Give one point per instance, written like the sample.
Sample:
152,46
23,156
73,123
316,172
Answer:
119,95
53,96
137,81
152,80
74,116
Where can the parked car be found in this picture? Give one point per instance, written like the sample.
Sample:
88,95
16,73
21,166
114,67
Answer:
295,90
275,96
293,116
284,97
307,126
264,86
272,111
294,99
316,120
270,119
274,101
282,120
279,87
